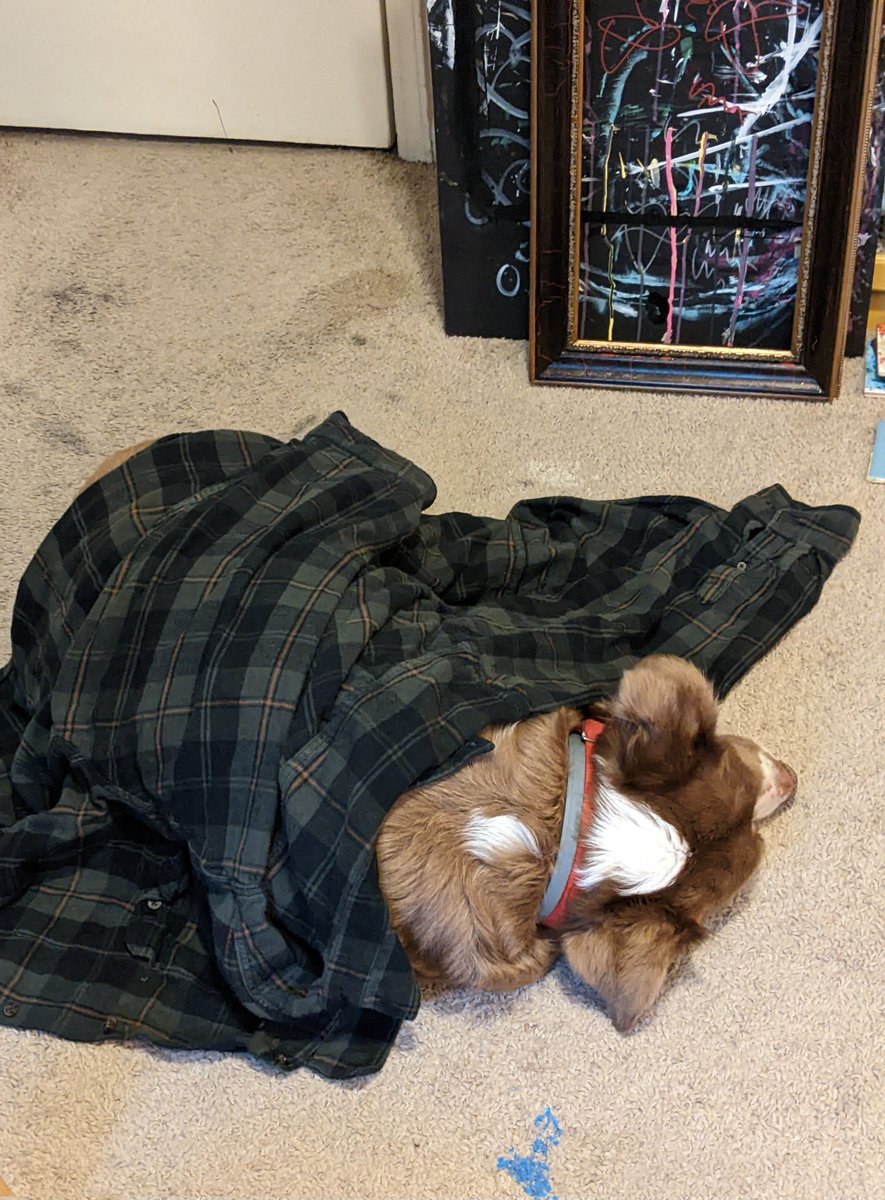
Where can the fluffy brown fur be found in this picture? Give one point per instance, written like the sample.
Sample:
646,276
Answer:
470,923
464,922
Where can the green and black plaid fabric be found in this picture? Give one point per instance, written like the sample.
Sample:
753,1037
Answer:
231,655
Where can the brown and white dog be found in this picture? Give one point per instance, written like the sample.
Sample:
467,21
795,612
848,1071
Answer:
612,841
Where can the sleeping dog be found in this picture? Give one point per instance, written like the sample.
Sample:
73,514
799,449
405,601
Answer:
611,840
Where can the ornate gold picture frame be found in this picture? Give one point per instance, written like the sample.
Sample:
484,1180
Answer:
697,174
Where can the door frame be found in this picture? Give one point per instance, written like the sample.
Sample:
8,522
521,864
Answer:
409,65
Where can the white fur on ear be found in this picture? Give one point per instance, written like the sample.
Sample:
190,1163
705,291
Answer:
630,846
490,838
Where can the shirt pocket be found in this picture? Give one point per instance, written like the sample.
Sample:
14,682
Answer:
738,579
763,557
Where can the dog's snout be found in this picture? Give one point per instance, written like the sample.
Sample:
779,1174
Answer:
778,785
786,781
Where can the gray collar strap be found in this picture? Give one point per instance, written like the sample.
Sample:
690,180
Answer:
571,826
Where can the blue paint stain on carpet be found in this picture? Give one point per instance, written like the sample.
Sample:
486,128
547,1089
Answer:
532,1171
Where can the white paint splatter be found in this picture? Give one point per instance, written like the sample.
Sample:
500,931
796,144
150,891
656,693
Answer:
792,52
442,32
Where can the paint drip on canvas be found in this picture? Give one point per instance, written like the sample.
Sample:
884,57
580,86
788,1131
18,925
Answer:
697,120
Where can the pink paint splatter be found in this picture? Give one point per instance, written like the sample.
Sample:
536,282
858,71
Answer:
674,254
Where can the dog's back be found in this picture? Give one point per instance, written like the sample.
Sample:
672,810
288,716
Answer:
464,862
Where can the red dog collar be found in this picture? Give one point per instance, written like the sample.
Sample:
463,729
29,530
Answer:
577,816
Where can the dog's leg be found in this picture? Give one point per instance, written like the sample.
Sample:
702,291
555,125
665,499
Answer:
113,461
526,968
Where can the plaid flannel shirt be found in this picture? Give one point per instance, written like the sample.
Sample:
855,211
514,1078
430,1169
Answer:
231,656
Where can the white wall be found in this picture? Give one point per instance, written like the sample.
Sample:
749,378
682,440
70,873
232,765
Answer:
277,70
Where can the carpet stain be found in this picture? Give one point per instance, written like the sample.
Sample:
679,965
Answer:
78,300
68,438
305,425
328,312
18,389
532,1171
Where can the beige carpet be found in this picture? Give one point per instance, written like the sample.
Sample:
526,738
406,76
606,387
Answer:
149,287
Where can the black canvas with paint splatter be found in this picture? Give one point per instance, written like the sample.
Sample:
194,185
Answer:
479,54
696,142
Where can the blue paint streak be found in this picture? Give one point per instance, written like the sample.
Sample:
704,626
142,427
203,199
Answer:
532,1171
617,93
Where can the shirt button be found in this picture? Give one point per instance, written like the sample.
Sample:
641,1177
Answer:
110,1025
153,905
10,1009
742,566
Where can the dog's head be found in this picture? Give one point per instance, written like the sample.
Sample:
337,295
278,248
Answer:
675,833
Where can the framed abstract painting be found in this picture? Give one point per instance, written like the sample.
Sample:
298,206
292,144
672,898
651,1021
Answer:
697,177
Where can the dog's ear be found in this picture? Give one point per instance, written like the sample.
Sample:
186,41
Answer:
600,710
662,714
626,958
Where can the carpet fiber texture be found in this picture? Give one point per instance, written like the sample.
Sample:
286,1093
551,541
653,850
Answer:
151,287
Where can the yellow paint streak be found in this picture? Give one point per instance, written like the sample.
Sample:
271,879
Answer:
703,151
608,154
611,292
654,167
611,249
